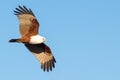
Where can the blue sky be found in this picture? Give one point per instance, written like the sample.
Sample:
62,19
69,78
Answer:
84,36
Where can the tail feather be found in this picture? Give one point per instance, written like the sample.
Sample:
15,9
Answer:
13,40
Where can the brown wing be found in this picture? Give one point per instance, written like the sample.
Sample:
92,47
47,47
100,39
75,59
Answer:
28,23
43,53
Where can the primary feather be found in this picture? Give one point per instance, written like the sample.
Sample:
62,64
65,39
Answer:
28,23
44,55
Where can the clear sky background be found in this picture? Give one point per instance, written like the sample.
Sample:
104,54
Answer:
84,36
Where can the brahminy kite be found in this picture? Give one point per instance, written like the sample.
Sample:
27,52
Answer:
32,40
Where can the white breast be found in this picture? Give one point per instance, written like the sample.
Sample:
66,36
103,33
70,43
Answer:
37,39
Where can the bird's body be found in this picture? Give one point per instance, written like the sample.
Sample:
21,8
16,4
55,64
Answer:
32,39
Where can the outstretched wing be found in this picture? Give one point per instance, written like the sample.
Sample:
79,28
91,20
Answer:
28,23
43,53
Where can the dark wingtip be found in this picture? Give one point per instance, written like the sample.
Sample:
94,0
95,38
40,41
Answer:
48,66
54,60
23,10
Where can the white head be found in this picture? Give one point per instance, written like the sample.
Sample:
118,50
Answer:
37,39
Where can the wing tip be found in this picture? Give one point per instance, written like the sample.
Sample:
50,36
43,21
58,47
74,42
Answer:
23,10
48,66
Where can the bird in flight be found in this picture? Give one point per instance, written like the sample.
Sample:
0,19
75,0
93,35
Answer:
31,38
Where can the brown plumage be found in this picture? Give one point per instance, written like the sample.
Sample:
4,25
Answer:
43,54
28,23
32,40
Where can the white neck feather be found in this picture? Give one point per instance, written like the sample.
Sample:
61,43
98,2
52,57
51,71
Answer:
37,39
